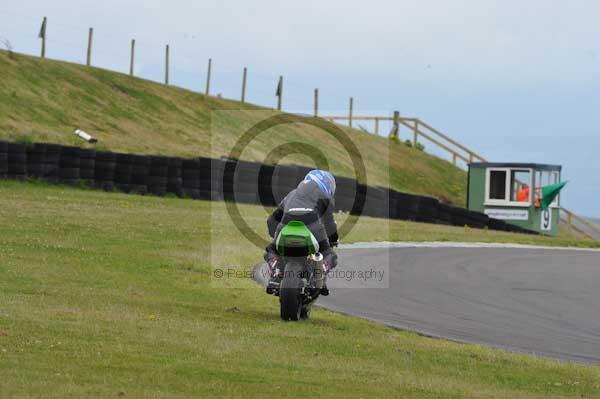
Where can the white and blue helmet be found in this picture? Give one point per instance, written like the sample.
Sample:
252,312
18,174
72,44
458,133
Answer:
324,180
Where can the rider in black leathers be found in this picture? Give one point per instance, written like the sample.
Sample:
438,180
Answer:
313,203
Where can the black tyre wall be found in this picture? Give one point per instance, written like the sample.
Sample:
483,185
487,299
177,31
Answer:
68,171
16,161
3,163
217,179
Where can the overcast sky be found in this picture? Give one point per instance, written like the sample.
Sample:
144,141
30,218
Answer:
514,80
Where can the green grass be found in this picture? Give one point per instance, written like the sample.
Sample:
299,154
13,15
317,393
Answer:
47,100
104,294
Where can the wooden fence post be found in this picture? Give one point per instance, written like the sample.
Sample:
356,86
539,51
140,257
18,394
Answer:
377,126
316,102
208,76
132,58
416,133
42,36
89,48
279,93
351,111
167,56
454,158
244,78
396,127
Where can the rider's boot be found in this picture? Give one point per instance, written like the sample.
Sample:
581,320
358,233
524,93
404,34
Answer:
329,262
326,269
276,275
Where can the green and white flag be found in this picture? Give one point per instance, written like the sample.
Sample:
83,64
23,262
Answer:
549,194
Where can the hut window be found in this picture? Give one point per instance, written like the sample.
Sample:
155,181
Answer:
497,185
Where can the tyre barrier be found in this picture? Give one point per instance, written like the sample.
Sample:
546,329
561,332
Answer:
16,161
140,174
68,168
174,180
221,179
87,166
104,170
123,168
190,175
158,175
36,160
3,159
52,162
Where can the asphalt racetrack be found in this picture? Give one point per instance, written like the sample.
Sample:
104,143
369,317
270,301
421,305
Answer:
540,301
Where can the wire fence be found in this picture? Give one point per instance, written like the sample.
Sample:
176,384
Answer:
69,42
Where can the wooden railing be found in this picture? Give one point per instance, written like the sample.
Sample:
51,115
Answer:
422,130
577,224
376,119
418,130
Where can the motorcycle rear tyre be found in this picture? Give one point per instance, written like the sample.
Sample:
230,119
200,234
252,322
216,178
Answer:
290,300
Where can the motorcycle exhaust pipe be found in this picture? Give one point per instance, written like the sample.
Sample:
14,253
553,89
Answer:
317,264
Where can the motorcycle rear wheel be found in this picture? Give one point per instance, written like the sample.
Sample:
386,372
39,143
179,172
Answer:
290,299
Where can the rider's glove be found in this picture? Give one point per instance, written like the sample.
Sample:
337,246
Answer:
326,267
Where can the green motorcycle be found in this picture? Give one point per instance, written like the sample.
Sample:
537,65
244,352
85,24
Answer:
303,273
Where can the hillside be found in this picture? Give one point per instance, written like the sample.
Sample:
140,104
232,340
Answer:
46,100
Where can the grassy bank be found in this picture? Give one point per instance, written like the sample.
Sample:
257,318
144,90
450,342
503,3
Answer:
47,100
109,295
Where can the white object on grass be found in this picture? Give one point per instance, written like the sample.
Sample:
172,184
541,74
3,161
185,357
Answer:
85,136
